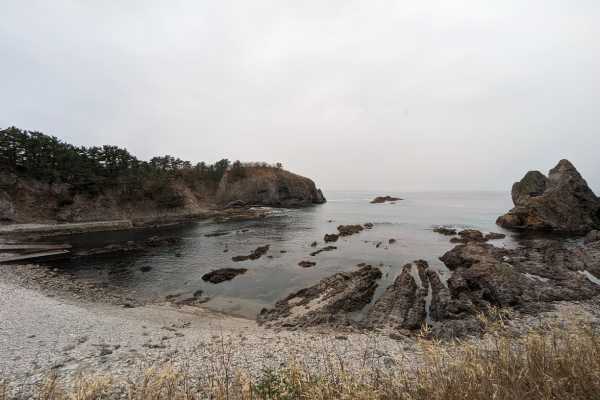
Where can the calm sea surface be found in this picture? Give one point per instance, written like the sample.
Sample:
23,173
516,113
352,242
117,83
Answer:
179,269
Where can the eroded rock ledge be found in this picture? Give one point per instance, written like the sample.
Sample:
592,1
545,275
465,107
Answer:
483,278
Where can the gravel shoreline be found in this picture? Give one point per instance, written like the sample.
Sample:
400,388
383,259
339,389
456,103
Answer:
50,329
52,324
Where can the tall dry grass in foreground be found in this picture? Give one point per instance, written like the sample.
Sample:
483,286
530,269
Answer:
552,364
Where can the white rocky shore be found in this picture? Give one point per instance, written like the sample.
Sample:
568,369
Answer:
47,331
63,330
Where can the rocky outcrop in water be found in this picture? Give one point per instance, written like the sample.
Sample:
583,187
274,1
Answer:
384,199
326,248
330,302
223,274
561,202
445,231
255,255
269,187
483,278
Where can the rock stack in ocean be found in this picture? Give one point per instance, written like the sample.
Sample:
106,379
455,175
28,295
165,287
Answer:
561,202
268,187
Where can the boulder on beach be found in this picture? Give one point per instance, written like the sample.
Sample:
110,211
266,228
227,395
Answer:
561,202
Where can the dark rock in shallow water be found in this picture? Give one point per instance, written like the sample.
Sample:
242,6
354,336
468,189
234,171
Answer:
468,235
330,237
255,255
326,248
383,199
562,202
445,231
146,268
494,236
222,275
347,230
215,234
307,264
330,302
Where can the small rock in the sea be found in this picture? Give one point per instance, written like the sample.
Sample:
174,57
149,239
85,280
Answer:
326,248
223,274
378,245
146,268
383,199
369,225
347,230
177,254
445,230
314,244
330,237
215,234
392,241
283,251
307,264
255,255
198,293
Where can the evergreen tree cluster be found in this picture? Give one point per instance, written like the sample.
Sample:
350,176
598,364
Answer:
93,169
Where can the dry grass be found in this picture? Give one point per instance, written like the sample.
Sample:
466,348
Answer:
559,363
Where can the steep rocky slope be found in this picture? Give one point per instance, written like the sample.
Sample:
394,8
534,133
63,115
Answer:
25,200
268,186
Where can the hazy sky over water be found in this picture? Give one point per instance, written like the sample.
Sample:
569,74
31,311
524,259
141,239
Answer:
384,95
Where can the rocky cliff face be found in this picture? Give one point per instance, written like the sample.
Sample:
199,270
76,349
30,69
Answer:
268,186
24,200
561,202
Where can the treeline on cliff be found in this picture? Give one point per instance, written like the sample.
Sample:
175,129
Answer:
91,170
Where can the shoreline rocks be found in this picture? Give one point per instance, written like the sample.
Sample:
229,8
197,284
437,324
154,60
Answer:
561,202
332,301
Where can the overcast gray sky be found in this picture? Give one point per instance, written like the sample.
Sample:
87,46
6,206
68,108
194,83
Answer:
385,95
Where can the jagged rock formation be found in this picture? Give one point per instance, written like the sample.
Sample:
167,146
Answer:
562,202
483,277
270,187
332,301
402,305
